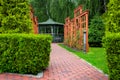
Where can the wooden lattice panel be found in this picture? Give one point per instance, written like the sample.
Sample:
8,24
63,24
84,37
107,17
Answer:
75,28
34,21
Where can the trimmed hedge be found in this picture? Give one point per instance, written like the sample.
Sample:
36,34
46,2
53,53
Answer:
15,16
112,45
24,53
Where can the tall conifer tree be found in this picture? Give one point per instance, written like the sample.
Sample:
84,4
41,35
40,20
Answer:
15,16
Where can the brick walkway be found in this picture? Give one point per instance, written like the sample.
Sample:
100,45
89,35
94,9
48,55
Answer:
63,66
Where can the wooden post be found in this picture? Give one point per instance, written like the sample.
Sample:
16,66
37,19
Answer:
87,45
34,21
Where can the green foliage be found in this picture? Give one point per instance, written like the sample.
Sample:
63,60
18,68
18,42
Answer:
112,45
24,53
112,16
96,31
15,16
94,6
112,38
58,9
40,9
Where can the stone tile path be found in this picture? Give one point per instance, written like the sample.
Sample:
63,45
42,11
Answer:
63,66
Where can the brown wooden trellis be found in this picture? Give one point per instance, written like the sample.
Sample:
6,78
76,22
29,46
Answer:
75,28
34,20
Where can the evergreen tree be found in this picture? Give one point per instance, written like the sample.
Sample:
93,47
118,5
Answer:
1,15
15,16
112,38
112,15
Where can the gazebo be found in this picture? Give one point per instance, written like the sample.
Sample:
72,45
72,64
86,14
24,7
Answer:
56,29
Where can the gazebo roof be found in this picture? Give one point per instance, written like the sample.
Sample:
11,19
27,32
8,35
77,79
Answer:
50,22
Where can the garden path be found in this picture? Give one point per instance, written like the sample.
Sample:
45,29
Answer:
63,66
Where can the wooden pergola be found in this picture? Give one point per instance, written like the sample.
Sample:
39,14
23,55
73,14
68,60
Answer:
76,30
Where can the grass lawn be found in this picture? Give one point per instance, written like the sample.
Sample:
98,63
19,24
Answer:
96,56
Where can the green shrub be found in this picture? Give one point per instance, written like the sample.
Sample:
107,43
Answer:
112,45
24,53
112,38
96,31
